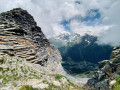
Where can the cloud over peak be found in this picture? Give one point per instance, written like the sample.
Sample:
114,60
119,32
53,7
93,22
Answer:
96,17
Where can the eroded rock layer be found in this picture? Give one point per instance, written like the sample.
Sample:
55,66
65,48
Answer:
20,36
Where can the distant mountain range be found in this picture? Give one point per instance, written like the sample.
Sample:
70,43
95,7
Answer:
80,53
65,40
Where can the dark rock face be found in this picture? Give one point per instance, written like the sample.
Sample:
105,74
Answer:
19,22
20,36
107,71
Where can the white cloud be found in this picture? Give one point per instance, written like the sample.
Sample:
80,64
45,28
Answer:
81,28
111,37
111,15
49,14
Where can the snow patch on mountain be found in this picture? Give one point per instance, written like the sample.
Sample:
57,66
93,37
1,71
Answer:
65,39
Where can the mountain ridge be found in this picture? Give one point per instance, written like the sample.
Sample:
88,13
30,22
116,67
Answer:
81,51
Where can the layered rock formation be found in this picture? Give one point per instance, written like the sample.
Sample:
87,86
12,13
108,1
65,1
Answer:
20,36
26,56
107,72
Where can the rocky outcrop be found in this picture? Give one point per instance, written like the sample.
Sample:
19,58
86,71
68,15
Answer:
105,75
20,36
26,56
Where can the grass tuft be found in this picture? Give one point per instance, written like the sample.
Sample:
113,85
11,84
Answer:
58,76
2,60
116,86
27,87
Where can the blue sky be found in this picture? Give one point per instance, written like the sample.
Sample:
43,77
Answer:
95,17
92,18
66,23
